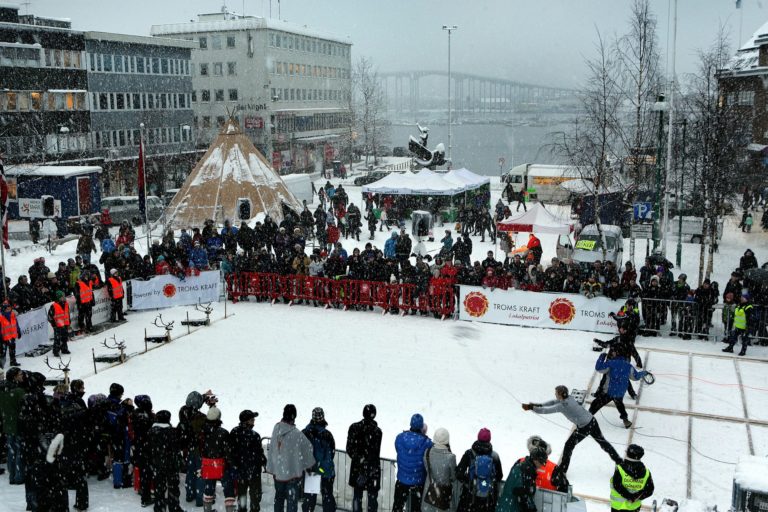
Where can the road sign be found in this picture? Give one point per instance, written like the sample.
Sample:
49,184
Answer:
642,211
641,231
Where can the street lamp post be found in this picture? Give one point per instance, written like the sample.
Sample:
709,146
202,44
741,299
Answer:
449,28
665,223
660,106
679,254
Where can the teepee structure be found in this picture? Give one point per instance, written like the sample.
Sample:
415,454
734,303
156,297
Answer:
232,181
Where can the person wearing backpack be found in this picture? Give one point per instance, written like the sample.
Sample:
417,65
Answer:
480,472
441,474
118,411
191,422
323,448
410,446
364,451
520,486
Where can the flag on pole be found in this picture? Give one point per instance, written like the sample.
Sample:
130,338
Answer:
4,204
140,180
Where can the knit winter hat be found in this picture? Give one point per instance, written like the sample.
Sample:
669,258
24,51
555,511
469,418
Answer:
369,412
484,436
417,422
442,437
318,414
214,414
289,412
113,271
194,400
163,416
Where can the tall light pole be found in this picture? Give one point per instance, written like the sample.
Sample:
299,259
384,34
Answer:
670,132
449,28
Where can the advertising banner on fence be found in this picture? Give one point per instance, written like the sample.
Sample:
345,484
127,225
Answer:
167,291
532,309
34,329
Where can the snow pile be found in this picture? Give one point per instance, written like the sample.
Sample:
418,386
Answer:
752,473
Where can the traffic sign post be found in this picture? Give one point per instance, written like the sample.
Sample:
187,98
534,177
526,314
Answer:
640,231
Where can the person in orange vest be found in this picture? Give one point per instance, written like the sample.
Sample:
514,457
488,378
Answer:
548,476
84,299
9,332
115,289
58,317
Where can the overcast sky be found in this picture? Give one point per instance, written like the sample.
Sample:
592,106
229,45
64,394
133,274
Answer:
537,41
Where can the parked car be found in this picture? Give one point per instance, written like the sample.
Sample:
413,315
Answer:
589,247
369,177
169,195
127,208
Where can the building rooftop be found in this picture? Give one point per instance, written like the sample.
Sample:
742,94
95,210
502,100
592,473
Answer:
126,38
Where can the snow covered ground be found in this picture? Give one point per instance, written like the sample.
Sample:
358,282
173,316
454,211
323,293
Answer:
459,375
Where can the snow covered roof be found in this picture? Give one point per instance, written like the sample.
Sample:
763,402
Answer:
752,473
760,33
242,23
131,39
61,171
425,183
231,170
536,220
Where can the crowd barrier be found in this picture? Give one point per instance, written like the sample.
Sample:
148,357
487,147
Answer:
437,298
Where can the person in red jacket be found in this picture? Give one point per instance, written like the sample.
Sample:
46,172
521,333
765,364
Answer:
333,234
548,476
534,246
162,267
9,332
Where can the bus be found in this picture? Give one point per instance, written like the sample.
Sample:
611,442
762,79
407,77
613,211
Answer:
541,182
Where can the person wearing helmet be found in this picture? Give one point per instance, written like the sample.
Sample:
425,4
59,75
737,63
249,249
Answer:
520,486
741,323
9,333
631,482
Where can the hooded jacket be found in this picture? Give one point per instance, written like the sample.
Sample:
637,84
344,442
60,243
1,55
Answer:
619,371
390,245
290,453
410,446
364,450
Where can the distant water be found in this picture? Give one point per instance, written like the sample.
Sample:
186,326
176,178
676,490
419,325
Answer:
479,146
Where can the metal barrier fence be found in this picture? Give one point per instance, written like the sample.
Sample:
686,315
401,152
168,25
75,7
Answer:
690,320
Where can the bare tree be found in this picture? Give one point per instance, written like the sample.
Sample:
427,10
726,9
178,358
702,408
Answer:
370,108
590,148
638,57
718,133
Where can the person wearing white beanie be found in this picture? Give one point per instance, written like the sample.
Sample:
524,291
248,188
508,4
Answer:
441,473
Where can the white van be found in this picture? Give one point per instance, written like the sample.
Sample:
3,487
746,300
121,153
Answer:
542,182
588,246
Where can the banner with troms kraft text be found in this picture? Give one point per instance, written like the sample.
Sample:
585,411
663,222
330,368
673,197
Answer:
537,309
167,291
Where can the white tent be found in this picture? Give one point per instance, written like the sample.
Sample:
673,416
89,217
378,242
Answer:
428,183
467,178
536,220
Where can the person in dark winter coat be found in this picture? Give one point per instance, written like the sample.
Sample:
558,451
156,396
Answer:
480,473
118,411
12,391
163,456
586,424
631,482
410,446
244,463
620,371
364,451
323,449
290,456
77,430
190,428
142,418
705,298
215,450
520,486
748,261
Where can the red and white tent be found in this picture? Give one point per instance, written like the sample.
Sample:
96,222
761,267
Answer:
536,220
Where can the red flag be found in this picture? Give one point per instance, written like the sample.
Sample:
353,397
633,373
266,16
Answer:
4,205
140,180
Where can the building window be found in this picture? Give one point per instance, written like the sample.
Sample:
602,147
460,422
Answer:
233,95
230,41
205,95
163,102
140,64
194,96
746,98
203,43
107,63
118,63
231,68
120,101
203,69
219,95
217,69
220,120
206,121
182,101
155,65
136,101
216,42
150,101
164,66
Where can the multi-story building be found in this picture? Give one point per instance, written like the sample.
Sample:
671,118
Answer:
135,81
43,103
288,85
743,88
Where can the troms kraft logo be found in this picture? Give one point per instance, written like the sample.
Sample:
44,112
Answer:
562,311
169,290
476,304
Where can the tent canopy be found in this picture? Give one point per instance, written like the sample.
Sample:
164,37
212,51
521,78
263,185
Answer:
232,171
536,220
428,183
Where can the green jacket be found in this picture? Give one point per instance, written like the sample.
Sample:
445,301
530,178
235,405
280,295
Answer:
519,488
11,397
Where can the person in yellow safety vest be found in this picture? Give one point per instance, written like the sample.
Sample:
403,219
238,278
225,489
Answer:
632,481
9,332
58,317
741,319
115,289
84,298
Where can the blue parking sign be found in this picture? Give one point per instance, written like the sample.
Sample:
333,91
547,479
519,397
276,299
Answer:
642,211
